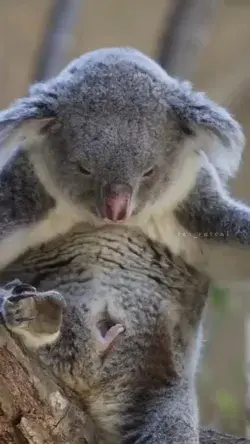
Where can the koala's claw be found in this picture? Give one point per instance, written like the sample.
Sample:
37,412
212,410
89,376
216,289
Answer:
20,288
11,307
17,308
10,285
21,303
19,296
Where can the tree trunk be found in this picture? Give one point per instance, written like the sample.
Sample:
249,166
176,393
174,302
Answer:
186,34
35,410
57,37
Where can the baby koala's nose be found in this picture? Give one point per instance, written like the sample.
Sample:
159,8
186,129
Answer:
117,202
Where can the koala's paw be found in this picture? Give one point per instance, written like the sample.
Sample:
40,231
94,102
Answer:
16,303
22,308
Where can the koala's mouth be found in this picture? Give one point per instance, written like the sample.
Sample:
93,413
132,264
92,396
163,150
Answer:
117,203
117,209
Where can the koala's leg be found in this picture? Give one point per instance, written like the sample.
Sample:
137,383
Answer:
34,316
167,415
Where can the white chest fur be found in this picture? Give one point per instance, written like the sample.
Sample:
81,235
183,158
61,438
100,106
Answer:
163,228
159,223
58,221
166,230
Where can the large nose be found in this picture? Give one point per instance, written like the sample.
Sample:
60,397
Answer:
117,201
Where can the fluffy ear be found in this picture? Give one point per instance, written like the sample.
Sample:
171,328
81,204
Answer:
22,123
212,128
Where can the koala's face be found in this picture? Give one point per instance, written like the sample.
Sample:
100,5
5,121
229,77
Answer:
117,140
114,164
113,148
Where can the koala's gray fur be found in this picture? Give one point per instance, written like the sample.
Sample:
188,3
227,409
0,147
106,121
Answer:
142,390
114,117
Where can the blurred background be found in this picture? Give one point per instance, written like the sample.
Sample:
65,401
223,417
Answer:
205,41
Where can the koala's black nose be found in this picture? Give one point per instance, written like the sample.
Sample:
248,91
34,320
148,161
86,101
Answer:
116,201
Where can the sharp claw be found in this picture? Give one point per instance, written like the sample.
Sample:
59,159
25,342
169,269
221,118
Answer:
21,288
19,297
25,319
12,284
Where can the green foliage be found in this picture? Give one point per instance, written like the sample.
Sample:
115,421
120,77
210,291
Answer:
227,404
220,298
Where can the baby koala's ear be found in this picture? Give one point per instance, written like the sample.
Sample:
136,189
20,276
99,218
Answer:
25,121
209,127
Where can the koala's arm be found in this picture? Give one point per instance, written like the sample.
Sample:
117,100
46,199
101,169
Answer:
24,201
221,227
25,207
169,416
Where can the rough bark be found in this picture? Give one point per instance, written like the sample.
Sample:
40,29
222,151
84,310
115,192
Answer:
33,408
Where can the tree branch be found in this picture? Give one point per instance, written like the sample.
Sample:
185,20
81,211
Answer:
51,57
33,408
186,35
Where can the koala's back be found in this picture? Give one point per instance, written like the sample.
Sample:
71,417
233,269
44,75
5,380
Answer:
118,267
119,272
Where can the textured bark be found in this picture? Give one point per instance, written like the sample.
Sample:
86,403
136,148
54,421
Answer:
33,408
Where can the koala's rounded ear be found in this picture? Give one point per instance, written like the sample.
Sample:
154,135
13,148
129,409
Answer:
25,121
208,126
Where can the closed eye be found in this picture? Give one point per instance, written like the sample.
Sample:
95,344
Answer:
83,170
149,173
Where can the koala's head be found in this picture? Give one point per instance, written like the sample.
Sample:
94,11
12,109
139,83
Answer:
118,133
